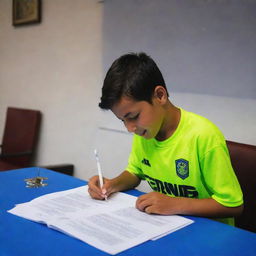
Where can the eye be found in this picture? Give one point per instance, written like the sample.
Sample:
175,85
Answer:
134,117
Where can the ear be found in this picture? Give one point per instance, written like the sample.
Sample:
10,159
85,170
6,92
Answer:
160,94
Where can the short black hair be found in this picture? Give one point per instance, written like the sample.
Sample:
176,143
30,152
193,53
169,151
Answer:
134,75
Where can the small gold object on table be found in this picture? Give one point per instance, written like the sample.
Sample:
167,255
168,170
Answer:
37,181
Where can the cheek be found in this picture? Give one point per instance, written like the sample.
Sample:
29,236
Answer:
149,119
156,120
145,122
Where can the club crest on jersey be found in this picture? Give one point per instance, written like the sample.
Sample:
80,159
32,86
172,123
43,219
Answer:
182,168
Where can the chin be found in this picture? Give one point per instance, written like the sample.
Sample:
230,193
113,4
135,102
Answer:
147,136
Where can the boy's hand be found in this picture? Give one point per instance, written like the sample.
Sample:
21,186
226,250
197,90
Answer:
122,182
157,203
94,188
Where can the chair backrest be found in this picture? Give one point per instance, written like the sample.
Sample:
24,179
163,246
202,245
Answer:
20,134
243,159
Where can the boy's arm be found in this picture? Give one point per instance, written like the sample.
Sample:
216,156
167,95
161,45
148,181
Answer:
158,203
124,181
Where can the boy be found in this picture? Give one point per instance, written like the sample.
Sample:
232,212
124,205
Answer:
183,156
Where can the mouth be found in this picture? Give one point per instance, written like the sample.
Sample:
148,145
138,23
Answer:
143,133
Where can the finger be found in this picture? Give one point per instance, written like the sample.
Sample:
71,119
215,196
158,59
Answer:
94,183
95,195
94,180
104,191
107,188
143,204
150,210
143,197
94,186
140,200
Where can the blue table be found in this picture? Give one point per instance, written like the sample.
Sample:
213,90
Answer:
21,237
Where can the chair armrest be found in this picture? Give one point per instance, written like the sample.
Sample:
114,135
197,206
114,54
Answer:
26,153
62,168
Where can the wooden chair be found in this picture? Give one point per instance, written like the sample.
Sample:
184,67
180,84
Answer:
243,159
20,137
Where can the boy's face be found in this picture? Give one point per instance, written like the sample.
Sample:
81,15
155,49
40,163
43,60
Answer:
140,117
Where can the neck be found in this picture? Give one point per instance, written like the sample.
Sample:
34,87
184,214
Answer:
170,122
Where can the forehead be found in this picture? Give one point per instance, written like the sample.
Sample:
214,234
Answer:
127,105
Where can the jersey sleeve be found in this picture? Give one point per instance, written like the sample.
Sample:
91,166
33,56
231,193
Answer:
219,177
134,164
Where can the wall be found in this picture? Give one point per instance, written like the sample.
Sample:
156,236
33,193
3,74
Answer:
201,46
56,67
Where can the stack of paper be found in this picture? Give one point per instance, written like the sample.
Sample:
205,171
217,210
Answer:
111,226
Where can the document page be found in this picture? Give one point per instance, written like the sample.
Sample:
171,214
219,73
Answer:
112,225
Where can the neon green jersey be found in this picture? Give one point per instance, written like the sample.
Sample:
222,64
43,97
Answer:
194,162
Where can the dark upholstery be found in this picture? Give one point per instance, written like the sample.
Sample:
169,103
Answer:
4,165
19,138
62,168
243,158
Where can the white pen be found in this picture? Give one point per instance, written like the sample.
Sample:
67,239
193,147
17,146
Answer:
99,170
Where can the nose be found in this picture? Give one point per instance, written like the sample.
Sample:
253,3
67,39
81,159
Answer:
131,127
